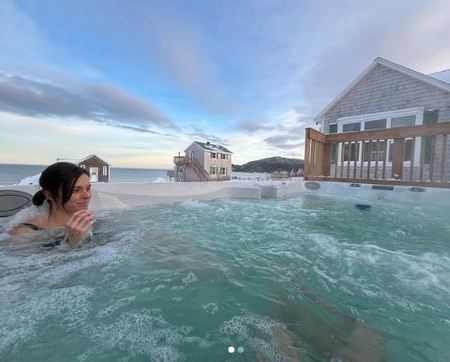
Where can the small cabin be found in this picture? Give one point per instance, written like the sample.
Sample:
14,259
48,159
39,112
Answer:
97,168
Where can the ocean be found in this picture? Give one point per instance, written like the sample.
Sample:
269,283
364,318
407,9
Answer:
10,174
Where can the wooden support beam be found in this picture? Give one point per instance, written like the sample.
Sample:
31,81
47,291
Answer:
432,158
443,157
411,168
306,164
383,175
326,159
398,156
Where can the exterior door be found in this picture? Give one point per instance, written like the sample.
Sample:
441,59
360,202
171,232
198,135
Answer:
94,174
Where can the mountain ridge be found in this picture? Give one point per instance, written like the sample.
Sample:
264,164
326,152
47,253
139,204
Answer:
270,165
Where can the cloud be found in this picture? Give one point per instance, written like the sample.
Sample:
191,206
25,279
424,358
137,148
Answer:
283,141
179,47
209,137
412,33
19,34
253,126
102,103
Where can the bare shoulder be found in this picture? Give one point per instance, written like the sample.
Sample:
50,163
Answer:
18,230
25,227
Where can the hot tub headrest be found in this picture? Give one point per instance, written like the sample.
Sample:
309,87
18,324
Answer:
12,201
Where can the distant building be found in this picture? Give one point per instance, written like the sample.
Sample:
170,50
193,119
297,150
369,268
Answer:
98,169
203,162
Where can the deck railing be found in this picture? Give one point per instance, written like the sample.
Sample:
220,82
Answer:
186,161
416,156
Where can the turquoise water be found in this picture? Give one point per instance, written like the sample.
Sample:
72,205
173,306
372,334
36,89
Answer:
308,278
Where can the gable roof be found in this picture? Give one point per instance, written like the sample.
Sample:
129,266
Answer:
78,161
431,79
211,147
443,75
91,156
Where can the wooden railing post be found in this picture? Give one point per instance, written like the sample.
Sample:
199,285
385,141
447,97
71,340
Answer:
318,157
306,164
398,156
326,165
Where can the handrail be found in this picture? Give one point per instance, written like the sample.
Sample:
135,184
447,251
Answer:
190,162
397,132
414,155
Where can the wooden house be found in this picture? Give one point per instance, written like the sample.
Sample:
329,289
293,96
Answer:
98,169
203,161
391,122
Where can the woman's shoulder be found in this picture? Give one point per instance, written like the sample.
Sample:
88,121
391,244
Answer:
30,226
32,218
23,227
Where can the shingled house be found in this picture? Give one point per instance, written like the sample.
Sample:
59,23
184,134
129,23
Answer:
388,95
203,162
98,169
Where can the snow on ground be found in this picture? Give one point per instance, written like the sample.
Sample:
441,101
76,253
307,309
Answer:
30,180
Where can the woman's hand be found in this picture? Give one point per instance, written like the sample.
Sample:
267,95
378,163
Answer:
79,226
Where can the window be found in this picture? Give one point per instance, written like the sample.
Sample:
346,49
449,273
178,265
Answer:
212,170
383,120
332,128
213,155
223,171
223,156
377,124
350,127
354,152
105,170
370,148
407,150
403,121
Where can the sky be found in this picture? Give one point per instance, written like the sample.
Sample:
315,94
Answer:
136,82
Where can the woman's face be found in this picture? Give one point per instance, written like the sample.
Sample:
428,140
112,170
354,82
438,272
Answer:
81,195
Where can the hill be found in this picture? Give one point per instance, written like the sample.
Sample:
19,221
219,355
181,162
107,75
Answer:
271,164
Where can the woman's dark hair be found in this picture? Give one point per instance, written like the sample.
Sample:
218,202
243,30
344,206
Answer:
59,180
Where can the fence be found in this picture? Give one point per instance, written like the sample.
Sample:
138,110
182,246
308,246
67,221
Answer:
416,156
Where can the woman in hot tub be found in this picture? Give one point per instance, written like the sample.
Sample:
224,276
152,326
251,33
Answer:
64,197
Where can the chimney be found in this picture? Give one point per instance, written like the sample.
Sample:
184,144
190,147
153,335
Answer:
207,143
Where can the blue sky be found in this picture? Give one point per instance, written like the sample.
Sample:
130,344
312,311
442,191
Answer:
135,82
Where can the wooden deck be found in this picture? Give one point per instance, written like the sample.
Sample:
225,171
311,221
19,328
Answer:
410,156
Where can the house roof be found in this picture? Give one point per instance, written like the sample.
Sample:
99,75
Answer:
434,79
212,147
90,156
443,75
76,161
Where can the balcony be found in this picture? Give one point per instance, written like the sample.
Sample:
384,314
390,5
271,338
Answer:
181,160
415,156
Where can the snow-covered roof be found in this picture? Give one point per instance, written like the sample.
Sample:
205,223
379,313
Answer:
212,147
90,156
443,75
432,80
76,161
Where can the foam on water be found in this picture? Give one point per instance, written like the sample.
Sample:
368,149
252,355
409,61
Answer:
193,204
276,277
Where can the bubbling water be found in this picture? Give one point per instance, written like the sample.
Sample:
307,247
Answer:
308,278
